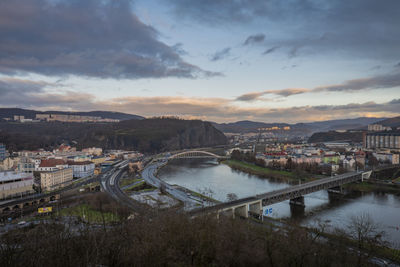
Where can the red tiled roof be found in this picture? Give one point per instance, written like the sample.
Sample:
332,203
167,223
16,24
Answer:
51,162
79,162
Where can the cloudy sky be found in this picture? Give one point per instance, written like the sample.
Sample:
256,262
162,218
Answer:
219,60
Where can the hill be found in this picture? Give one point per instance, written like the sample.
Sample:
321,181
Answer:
320,137
298,128
245,126
147,135
391,122
10,112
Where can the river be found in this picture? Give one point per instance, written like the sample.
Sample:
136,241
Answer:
218,180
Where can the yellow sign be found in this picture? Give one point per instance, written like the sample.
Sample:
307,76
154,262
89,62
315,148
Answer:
45,209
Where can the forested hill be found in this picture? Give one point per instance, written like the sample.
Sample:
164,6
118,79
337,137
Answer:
356,136
147,135
31,114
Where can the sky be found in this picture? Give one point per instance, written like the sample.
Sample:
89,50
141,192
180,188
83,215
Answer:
217,60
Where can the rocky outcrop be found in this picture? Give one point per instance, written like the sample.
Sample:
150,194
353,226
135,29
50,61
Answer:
148,135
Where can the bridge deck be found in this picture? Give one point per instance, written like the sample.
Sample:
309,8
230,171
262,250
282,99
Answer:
289,192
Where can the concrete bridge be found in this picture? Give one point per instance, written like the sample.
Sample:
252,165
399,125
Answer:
195,154
17,205
253,205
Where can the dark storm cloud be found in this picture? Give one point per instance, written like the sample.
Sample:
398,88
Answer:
221,54
385,81
89,38
382,81
359,28
27,93
254,39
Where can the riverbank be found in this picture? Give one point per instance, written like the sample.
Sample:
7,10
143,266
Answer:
369,187
284,176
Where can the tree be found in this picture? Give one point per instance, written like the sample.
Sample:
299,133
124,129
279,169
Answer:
231,197
373,161
367,235
236,155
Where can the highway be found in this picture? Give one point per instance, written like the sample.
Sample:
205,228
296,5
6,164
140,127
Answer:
149,175
110,184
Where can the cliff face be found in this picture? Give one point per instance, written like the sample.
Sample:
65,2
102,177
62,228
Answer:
148,135
202,134
155,135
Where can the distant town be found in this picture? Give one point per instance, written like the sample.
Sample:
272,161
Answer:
27,172
59,117
380,146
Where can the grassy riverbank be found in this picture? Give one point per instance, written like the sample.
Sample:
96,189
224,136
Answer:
265,172
368,187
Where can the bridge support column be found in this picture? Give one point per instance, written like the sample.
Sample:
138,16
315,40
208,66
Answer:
241,211
336,190
227,212
299,201
256,209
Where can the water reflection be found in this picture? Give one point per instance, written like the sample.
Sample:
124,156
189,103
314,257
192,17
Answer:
321,206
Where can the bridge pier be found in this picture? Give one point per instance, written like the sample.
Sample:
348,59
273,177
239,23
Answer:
336,190
226,212
298,201
256,208
241,211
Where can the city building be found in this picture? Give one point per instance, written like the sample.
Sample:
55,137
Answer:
378,128
2,151
96,151
389,139
26,165
51,165
82,168
14,184
18,118
8,164
72,118
390,158
99,160
51,180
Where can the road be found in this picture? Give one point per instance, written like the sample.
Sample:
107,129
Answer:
75,184
110,184
148,174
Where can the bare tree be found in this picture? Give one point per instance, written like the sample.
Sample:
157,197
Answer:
366,234
231,197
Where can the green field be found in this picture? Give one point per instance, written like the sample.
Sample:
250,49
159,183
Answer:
88,214
124,182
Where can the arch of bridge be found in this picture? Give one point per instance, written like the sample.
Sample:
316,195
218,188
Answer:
187,153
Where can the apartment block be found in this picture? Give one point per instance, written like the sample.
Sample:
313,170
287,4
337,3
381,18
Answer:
389,140
55,179
14,184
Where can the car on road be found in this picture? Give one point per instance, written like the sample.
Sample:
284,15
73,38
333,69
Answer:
22,223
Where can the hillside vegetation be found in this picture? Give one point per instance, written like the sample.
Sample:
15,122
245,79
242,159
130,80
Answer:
148,135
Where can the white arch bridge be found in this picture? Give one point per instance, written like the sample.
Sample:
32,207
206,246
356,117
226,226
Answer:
196,154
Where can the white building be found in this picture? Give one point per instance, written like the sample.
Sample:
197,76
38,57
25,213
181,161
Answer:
51,165
14,184
82,168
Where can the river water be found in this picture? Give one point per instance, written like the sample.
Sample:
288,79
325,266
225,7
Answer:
218,180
